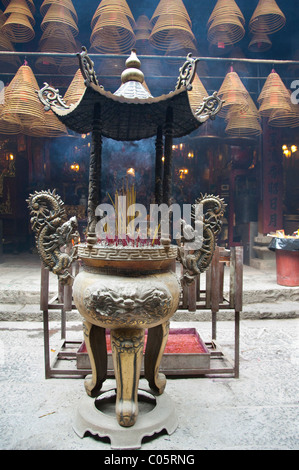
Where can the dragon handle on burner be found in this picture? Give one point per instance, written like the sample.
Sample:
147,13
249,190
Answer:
53,233
197,261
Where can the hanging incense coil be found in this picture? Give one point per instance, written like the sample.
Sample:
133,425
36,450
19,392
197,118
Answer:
143,28
243,123
267,18
11,124
49,127
30,4
273,85
21,7
260,43
67,4
167,28
76,89
233,92
59,14
22,100
112,33
224,8
250,110
110,7
171,7
197,94
274,95
287,117
58,31
18,28
6,45
227,29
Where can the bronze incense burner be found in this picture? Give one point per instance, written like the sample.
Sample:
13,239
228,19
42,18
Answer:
126,290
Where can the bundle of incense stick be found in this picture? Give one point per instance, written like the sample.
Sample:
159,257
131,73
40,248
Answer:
121,211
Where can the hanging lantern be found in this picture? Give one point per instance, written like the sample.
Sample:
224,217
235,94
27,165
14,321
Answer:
267,18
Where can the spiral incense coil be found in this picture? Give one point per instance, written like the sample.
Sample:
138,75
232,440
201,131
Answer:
67,4
227,30
112,33
58,31
6,45
20,7
21,98
75,89
225,8
49,127
267,18
171,7
233,92
167,28
287,117
260,43
59,14
30,4
243,124
249,110
110,7
274,95
197,94
47,65
143,28
11,124
273,86
18,28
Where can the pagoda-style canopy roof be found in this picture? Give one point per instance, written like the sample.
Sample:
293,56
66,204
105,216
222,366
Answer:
131,113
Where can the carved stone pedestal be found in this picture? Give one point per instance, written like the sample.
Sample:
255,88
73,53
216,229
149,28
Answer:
96,416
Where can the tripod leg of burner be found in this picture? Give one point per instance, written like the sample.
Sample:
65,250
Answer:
156,342
127,351
95,341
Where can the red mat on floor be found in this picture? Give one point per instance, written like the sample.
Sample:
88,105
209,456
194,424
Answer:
180,341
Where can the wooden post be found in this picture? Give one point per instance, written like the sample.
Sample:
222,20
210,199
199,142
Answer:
167,177
95,164
159,166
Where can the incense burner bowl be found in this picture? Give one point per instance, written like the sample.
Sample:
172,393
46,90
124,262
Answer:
127,291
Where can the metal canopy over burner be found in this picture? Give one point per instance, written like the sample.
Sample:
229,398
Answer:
131,113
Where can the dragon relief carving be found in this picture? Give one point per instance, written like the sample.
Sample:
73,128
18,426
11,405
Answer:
53,233
197,261
128,305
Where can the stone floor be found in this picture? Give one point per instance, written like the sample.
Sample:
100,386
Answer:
259,410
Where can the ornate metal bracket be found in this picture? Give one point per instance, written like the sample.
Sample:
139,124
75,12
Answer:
187,73
53,233
50,96
198,260
87,67
209,108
